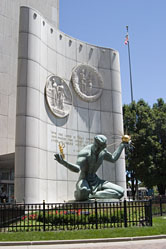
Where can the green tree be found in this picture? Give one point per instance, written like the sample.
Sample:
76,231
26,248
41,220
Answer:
138,123
146,161
158,170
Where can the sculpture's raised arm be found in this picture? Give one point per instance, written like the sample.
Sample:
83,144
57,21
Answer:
70,166
126,140
115,156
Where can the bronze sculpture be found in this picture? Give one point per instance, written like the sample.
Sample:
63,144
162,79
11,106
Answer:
89,159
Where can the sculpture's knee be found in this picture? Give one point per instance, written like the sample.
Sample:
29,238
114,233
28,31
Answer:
81,195
82,190
121,193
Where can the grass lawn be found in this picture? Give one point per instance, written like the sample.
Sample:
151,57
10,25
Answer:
159,227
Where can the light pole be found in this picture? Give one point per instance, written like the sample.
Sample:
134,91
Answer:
128,45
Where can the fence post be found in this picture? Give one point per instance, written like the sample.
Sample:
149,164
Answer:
150,204
161,209
1,216
96,215
44,212
125,213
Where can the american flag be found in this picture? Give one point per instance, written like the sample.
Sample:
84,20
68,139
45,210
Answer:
126,39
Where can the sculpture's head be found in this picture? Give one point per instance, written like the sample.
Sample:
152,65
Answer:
100,143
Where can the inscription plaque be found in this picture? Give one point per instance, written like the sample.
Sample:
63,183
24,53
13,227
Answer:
58,96
73,143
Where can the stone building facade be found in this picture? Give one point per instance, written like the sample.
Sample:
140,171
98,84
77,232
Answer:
63,91
9,30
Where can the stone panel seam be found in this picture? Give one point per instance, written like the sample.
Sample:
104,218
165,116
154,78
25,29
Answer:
25,115
4,115
116,91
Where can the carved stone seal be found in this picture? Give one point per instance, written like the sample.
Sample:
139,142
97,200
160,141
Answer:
87,82
58,96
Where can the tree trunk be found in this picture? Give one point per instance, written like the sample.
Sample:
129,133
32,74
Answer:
133,188
161,189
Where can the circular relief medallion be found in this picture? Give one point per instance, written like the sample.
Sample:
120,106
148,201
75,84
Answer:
58,96
87,82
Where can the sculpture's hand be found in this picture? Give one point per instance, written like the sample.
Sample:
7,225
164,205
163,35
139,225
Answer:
68,165
58,158
127,144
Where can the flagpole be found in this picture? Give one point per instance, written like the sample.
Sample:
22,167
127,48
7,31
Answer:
131,84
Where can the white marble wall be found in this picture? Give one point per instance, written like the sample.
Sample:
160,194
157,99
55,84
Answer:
44,50
9,22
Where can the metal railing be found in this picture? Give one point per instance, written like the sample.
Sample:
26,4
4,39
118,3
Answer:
159,205
70,216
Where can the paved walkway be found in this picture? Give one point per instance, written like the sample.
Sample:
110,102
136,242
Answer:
149,242
153,244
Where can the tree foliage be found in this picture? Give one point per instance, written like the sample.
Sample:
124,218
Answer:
146,161
159,155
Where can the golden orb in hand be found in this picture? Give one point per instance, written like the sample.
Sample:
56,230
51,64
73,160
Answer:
126,138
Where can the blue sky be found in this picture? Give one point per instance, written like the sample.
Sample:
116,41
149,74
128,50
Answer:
103,23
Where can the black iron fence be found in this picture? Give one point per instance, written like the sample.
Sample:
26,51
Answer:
159,205
69,216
